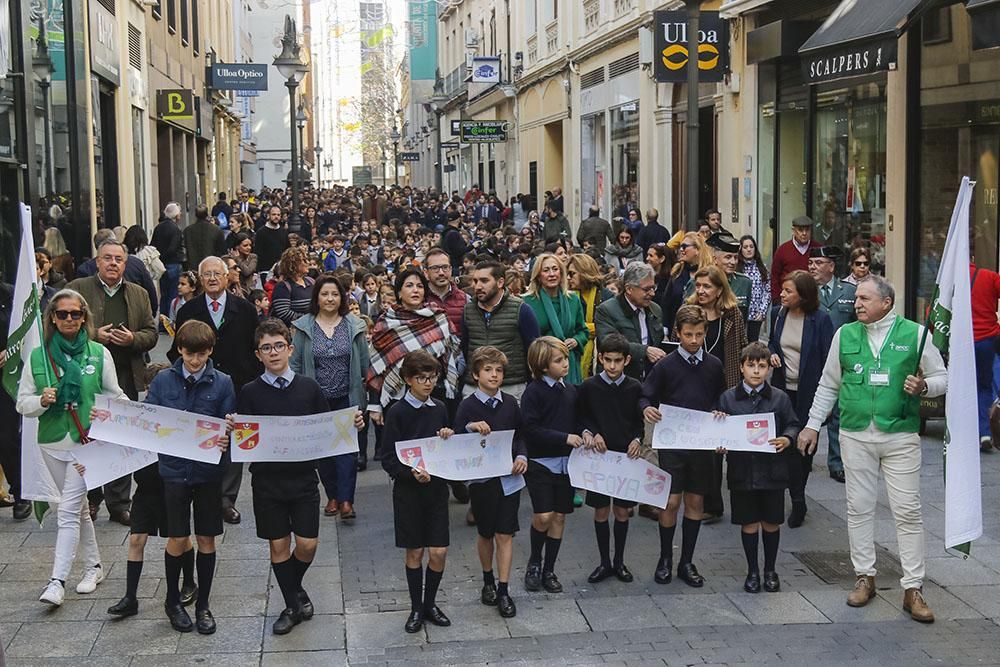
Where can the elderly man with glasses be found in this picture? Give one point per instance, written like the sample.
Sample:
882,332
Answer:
635,315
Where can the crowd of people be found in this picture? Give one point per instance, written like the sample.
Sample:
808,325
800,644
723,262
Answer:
437,314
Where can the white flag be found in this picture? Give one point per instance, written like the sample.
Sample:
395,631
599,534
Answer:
951,320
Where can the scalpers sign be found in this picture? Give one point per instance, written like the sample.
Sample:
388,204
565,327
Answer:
830,65
671,46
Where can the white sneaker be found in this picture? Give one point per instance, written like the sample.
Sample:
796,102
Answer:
53,593
91,577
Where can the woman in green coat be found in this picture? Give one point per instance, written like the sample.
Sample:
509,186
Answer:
559,311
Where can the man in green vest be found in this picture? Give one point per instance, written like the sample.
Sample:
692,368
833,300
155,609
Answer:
877,372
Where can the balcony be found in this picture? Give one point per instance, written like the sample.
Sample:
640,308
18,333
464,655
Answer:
532,55
552,38
591,15
454,83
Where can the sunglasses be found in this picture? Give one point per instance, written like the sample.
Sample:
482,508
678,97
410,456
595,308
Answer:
684,246
69,314
861,263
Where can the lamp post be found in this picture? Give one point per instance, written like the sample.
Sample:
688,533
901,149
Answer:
693,190
319,178
437,102
290,66
41,65
329,167
383,169
395,136
300,122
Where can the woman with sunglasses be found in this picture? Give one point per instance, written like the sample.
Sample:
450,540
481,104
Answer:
58,387
752,266
860,265
692,256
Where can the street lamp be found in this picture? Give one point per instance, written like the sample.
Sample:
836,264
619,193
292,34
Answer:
383,169
290,65
395,136
41,65
319,178
437,102
300,122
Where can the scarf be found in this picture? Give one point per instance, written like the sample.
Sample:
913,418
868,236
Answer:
589,299
67,355
560,327
399,332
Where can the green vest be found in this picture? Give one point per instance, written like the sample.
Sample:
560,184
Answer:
861,402
56,423
502,332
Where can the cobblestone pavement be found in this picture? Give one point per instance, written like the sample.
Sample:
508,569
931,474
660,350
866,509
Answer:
359,591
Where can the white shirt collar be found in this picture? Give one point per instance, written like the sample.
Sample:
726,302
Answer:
751,390
686,356
221,299
271,378
803,249
111,290
412,400
486,398
551,382
604,376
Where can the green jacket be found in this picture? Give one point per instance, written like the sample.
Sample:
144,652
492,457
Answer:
617,316
302,360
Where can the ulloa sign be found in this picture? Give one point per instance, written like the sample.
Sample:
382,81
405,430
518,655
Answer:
670,42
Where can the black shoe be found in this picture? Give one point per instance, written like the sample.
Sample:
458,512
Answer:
752,583
125,607
415,622
124,517
179,619
288,619
551,583
436,616
204,622
798,515
533,577
362,463
601,573
771,582
838,476
22,509
664,571
623,574
231,515
460,491
305,606
506,605
688,573
189,593
489,595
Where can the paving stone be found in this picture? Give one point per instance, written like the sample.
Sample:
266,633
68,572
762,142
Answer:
984,599
36,640
305,659
537,616
946,607
131,636
832,603
207,659
321,632
380,631
473,621
700,610
234,635
7,632
776,608
622,613
98,661
327,597
950,571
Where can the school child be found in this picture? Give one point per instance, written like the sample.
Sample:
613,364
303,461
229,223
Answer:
689,378
419,501
494,502
260,301
194,385
757,482
285,494
548,417
608,414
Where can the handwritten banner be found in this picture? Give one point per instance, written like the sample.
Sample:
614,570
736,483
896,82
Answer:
155,428
290,439
105,461
460,457
692,429
616,475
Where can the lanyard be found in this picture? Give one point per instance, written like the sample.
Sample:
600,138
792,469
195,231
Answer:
888,335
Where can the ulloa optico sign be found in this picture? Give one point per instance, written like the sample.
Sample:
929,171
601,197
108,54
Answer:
238,76
670,42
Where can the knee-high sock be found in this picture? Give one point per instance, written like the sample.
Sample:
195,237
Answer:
750,543
133,572
284,573
187,566
771,549
552,545
432,579
537,543
689,538
621,533
603,541
667,542
206,573
415,583
172,573
300,571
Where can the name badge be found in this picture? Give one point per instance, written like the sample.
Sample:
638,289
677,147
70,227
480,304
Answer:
878,377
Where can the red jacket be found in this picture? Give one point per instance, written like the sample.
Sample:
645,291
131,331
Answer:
985,295
453,304
787,258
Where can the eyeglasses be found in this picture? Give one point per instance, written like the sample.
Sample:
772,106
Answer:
861,263
113,258
684,246
425,379
267,348
212,274
440,268
69,314
647,290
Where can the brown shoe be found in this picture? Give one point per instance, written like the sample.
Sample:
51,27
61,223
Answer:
331,508
916,606
649,512
864,590
347,512
93,511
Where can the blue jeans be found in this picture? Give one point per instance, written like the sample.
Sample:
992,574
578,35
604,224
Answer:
168,287
985,359
339,474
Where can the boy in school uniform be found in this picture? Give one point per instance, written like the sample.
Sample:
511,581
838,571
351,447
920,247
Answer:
757,482
285,494
419,501
608,413
548,414
194,385
495,502
689,378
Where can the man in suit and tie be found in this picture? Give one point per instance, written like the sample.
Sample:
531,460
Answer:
234,320
837,298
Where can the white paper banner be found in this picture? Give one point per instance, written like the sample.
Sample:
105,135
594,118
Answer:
155,428
460,457
290,439
105,461
681,428
616,475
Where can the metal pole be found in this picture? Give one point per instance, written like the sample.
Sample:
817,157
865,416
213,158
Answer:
293,217
693,167
437,153
49,156
395,163
302,159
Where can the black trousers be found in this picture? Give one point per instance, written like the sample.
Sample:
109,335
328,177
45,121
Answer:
713,499
10,443
799,466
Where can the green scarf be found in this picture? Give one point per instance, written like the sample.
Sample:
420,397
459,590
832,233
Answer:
559,328
68,355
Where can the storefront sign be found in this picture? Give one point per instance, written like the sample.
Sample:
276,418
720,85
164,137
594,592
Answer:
361,175
104,43
456,128
485,69
859,60
484,131
670,41
409,157
176,106
987,112
238,76
449,145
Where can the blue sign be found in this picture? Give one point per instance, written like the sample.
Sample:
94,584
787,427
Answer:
485,69
238,76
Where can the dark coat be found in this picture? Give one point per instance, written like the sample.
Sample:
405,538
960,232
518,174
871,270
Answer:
234,350
616,316
135,272
203,239
817,335
748,471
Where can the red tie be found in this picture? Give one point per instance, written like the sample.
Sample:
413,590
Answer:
215,306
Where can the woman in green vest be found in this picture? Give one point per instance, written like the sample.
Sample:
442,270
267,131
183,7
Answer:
58,387
559,311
